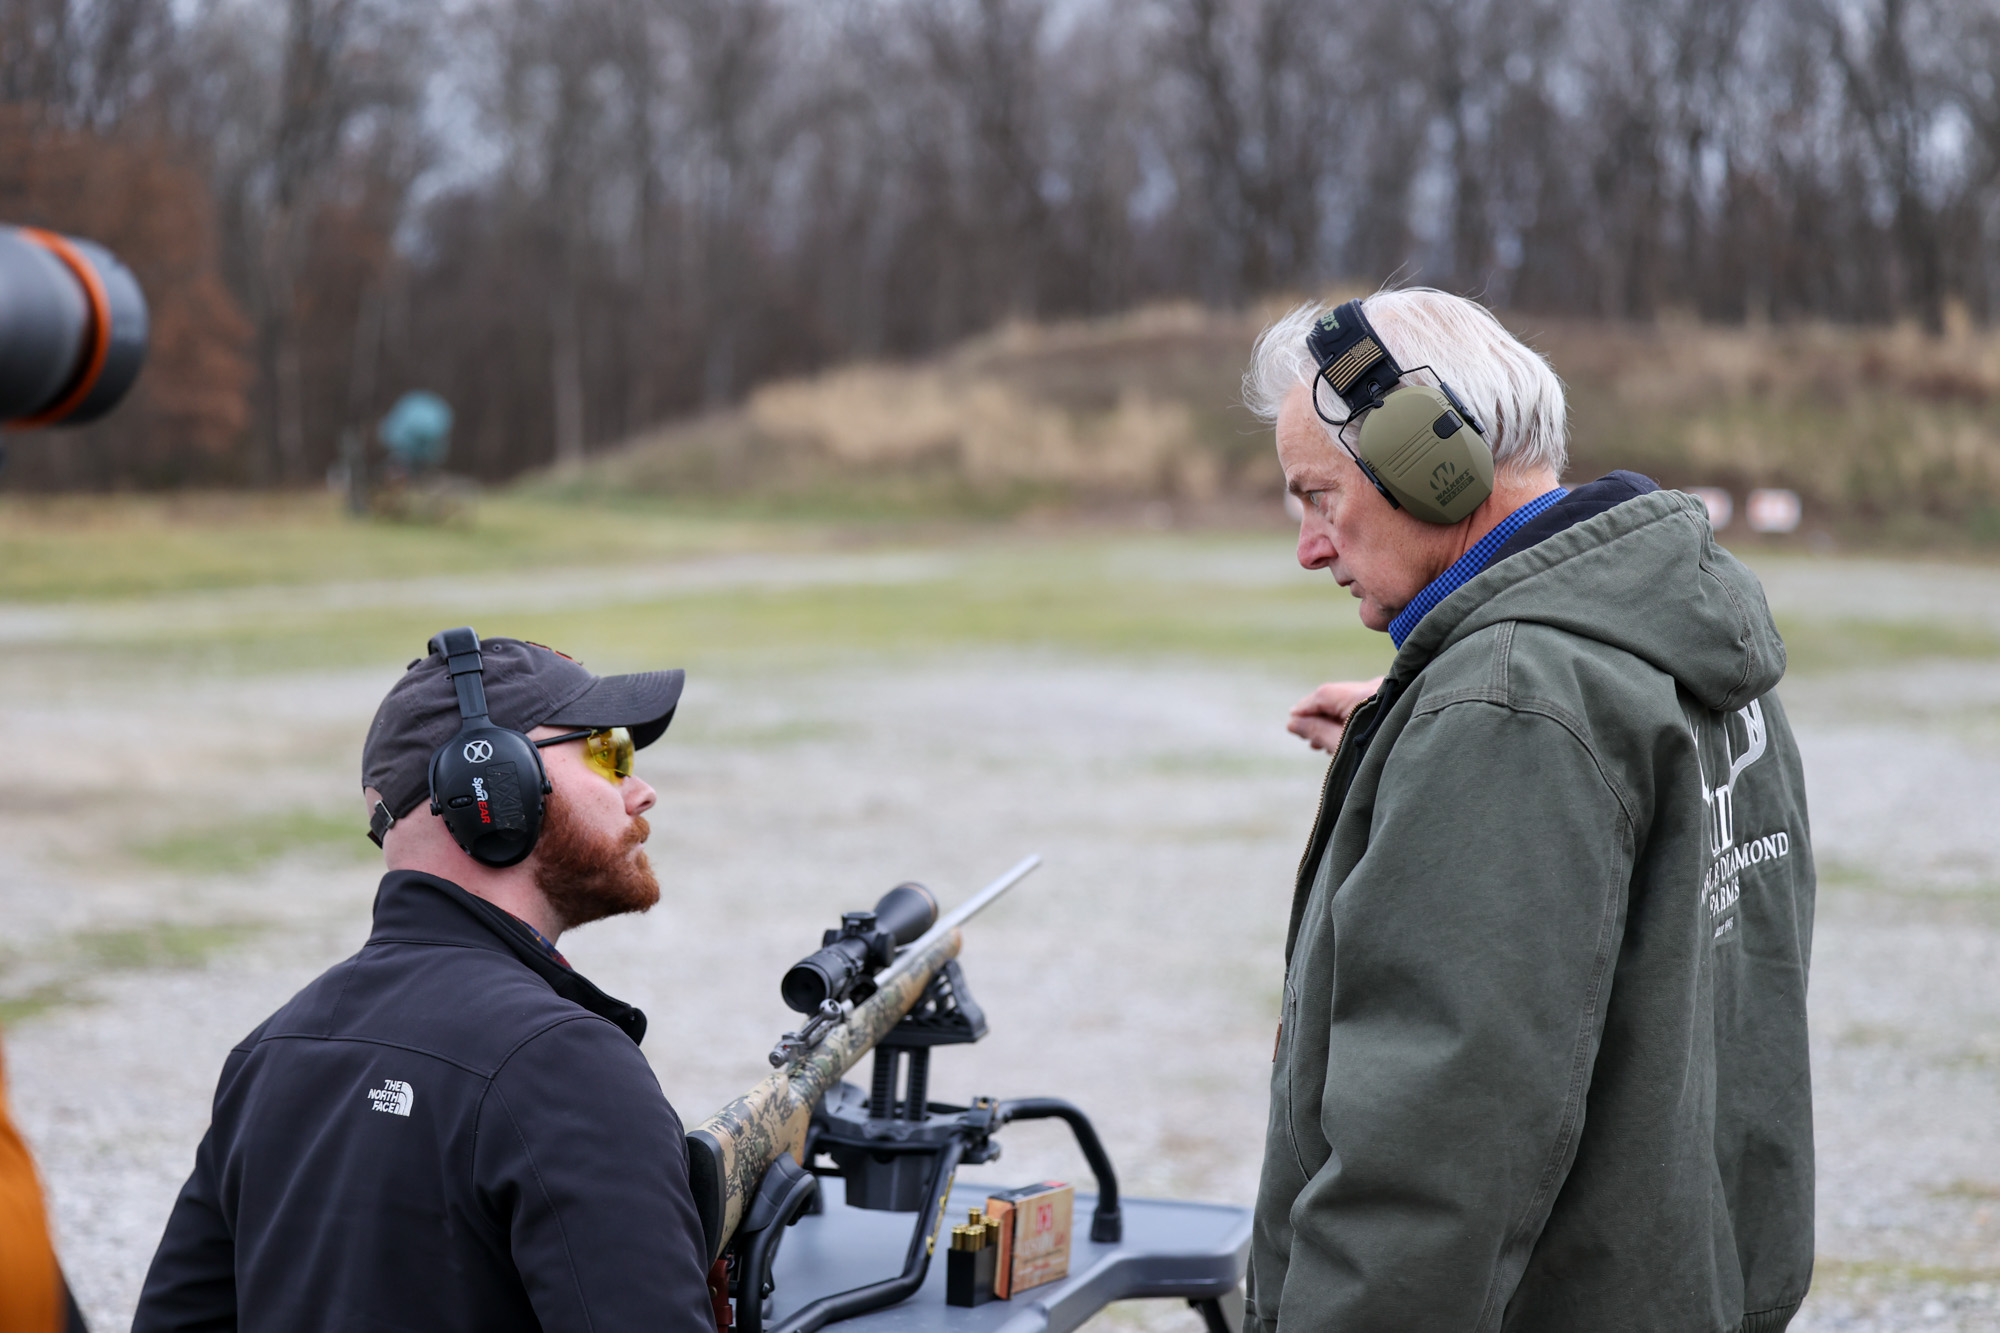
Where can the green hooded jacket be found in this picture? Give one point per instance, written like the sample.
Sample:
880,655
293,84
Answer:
1542,1057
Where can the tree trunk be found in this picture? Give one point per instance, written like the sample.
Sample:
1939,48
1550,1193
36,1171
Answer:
566,375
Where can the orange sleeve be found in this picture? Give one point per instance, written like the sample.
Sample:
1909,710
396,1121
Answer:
30,1287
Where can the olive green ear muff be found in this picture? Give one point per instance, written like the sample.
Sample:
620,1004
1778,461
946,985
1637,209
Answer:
1419,446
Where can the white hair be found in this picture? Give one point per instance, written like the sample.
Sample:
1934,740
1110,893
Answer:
1504,383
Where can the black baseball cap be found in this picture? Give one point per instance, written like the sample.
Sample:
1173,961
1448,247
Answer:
527,685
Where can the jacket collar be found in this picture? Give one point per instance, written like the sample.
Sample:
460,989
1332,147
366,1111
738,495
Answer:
1483,552
1583,502
1643,574
421,908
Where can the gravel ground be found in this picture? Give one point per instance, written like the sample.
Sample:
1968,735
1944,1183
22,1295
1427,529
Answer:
1137,974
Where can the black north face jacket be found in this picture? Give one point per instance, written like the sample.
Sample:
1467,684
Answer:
449,1131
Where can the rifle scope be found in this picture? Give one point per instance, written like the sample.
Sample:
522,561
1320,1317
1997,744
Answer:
72,329
865,944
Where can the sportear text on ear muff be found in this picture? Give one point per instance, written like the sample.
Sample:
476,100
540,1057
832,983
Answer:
487,782
1414,445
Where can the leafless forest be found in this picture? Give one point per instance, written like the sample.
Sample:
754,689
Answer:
576,218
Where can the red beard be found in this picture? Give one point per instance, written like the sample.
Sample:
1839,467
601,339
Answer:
587,877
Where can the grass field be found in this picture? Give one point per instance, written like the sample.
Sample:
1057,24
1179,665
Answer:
55,548
237,583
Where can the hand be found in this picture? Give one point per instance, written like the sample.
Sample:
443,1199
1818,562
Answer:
1321,716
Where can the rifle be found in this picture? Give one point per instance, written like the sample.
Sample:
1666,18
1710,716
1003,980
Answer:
887,981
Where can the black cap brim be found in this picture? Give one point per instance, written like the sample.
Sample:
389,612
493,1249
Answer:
643,703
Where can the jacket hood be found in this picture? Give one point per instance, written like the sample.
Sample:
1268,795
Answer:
1645,576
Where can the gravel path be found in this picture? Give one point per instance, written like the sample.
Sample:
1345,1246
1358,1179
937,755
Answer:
1137,974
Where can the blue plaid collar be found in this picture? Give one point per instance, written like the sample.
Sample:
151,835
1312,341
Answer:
1466,566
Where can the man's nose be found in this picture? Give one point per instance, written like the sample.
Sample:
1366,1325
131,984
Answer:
1315,547
639,796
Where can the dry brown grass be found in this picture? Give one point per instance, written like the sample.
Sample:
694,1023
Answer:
1141,405
1885,429
1881,430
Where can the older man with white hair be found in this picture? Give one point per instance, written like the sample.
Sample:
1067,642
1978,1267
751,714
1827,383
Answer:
1541,1062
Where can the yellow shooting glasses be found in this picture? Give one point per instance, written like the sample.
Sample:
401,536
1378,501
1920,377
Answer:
609,750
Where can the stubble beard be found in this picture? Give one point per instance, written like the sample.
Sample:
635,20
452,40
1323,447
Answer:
588,877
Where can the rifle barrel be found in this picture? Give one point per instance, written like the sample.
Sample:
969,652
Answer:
979,901
963,913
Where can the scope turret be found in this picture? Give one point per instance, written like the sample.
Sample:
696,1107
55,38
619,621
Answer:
865,943
72,329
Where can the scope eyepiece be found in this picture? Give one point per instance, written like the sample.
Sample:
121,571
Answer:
73,329
865,944
830,974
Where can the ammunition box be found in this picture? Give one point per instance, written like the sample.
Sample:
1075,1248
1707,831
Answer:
1034,1223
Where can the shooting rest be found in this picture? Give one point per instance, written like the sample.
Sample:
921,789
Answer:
898,1153
1195,1252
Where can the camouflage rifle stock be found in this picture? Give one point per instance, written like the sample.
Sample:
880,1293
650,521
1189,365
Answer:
729,1152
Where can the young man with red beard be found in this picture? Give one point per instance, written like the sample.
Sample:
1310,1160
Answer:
453,1130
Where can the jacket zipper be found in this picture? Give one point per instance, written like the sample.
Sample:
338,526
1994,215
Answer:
1360,721
1325,790
1355,721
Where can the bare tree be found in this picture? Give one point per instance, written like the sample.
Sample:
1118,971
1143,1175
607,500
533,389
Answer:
1879,51
727,77
1263,112
576,217
337,63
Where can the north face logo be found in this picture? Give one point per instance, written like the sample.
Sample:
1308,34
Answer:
394,1096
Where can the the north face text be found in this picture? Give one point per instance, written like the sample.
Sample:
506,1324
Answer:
394,1096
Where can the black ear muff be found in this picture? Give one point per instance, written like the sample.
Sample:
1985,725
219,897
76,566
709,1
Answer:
487,782
1419,446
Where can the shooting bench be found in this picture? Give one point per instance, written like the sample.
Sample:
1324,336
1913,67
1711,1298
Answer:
1195,1252
799,1260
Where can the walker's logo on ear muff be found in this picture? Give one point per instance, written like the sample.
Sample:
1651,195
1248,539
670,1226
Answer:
1451,484
1448,482
479,752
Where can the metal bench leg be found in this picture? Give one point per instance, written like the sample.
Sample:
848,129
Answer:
1222,1314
